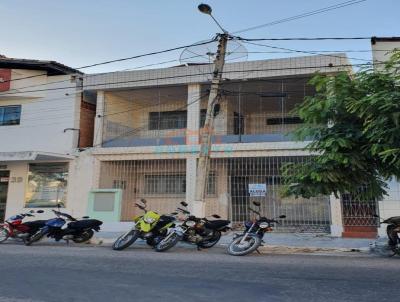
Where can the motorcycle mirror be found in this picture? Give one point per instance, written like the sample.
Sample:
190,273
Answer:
282,216
256,203
185,204
85,217
174,213
39,211
143,200
216,216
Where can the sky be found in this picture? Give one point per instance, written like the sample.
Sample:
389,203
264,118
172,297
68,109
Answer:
78,33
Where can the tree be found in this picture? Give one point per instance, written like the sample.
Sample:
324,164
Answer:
353,125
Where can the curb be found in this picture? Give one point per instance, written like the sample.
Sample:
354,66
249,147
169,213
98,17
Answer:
263,249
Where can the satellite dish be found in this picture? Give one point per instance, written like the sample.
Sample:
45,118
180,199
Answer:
205,54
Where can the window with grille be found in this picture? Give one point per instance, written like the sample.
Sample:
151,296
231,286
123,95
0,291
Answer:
10,115
167,120
119,184
173,184
165,184
284,120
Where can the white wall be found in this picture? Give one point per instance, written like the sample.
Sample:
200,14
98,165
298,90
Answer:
381,50
80,179
44,116
390,205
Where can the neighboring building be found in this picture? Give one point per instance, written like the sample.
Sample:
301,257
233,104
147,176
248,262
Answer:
41,111
147,139
390,206
382,48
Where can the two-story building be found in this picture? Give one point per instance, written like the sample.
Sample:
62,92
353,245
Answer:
42,110
147,130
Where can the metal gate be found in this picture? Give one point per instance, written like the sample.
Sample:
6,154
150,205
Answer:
359,213
303,215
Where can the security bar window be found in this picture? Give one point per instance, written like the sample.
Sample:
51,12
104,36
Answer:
167,120
165,184
10,115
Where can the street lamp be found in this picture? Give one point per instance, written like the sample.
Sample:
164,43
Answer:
206,9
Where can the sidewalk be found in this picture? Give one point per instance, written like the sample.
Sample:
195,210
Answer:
279,242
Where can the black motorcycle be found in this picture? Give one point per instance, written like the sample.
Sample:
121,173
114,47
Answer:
251,239
79,231
202,232
393,233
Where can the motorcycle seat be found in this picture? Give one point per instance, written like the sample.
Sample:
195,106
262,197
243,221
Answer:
84,224
35,223
216,224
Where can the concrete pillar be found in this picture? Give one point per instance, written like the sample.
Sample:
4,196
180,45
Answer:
336,216
192,141
193,114
98,121
197,208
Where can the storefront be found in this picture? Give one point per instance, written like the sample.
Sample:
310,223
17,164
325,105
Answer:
31,180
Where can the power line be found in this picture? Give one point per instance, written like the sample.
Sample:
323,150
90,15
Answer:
310,39
95,75
122,59
88,87
303,15
301,51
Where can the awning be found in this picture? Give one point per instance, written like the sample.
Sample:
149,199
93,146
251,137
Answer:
33,156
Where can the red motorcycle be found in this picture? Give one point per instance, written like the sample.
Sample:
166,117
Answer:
14,227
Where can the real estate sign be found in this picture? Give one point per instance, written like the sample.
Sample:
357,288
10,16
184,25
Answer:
257,190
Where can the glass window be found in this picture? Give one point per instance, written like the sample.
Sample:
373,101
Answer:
10,115
47,185
167,120
165,184
174,184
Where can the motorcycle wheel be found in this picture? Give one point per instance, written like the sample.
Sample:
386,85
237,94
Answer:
211,242
167,243
235,248
34,238
83,237
4,234
125,240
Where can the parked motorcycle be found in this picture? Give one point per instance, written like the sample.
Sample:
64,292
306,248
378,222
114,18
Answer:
15,228
79,231
251,239
199,231
393,233
150,226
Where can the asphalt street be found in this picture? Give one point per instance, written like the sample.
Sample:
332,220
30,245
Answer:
94,273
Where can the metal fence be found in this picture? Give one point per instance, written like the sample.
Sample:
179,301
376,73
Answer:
164,184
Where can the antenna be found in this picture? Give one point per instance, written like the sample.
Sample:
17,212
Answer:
206,54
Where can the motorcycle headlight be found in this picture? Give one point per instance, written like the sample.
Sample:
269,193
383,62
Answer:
149,220
264,225
190,223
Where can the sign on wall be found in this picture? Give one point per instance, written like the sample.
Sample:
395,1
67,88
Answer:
257,190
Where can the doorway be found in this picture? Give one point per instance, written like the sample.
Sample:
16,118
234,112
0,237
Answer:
4,179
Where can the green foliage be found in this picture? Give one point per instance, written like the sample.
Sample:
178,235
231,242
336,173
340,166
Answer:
353,123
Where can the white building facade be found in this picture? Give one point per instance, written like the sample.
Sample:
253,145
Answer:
147,139
40,116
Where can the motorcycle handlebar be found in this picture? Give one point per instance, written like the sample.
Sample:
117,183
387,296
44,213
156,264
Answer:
58,213
183,211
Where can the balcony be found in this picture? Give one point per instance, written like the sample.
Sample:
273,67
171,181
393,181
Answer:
250,112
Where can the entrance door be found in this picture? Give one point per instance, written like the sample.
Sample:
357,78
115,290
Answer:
4,178
240,198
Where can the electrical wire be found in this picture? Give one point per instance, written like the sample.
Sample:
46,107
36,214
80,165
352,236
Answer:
91,86
303,15
122,59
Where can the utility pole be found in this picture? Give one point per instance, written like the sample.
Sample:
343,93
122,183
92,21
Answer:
206,134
